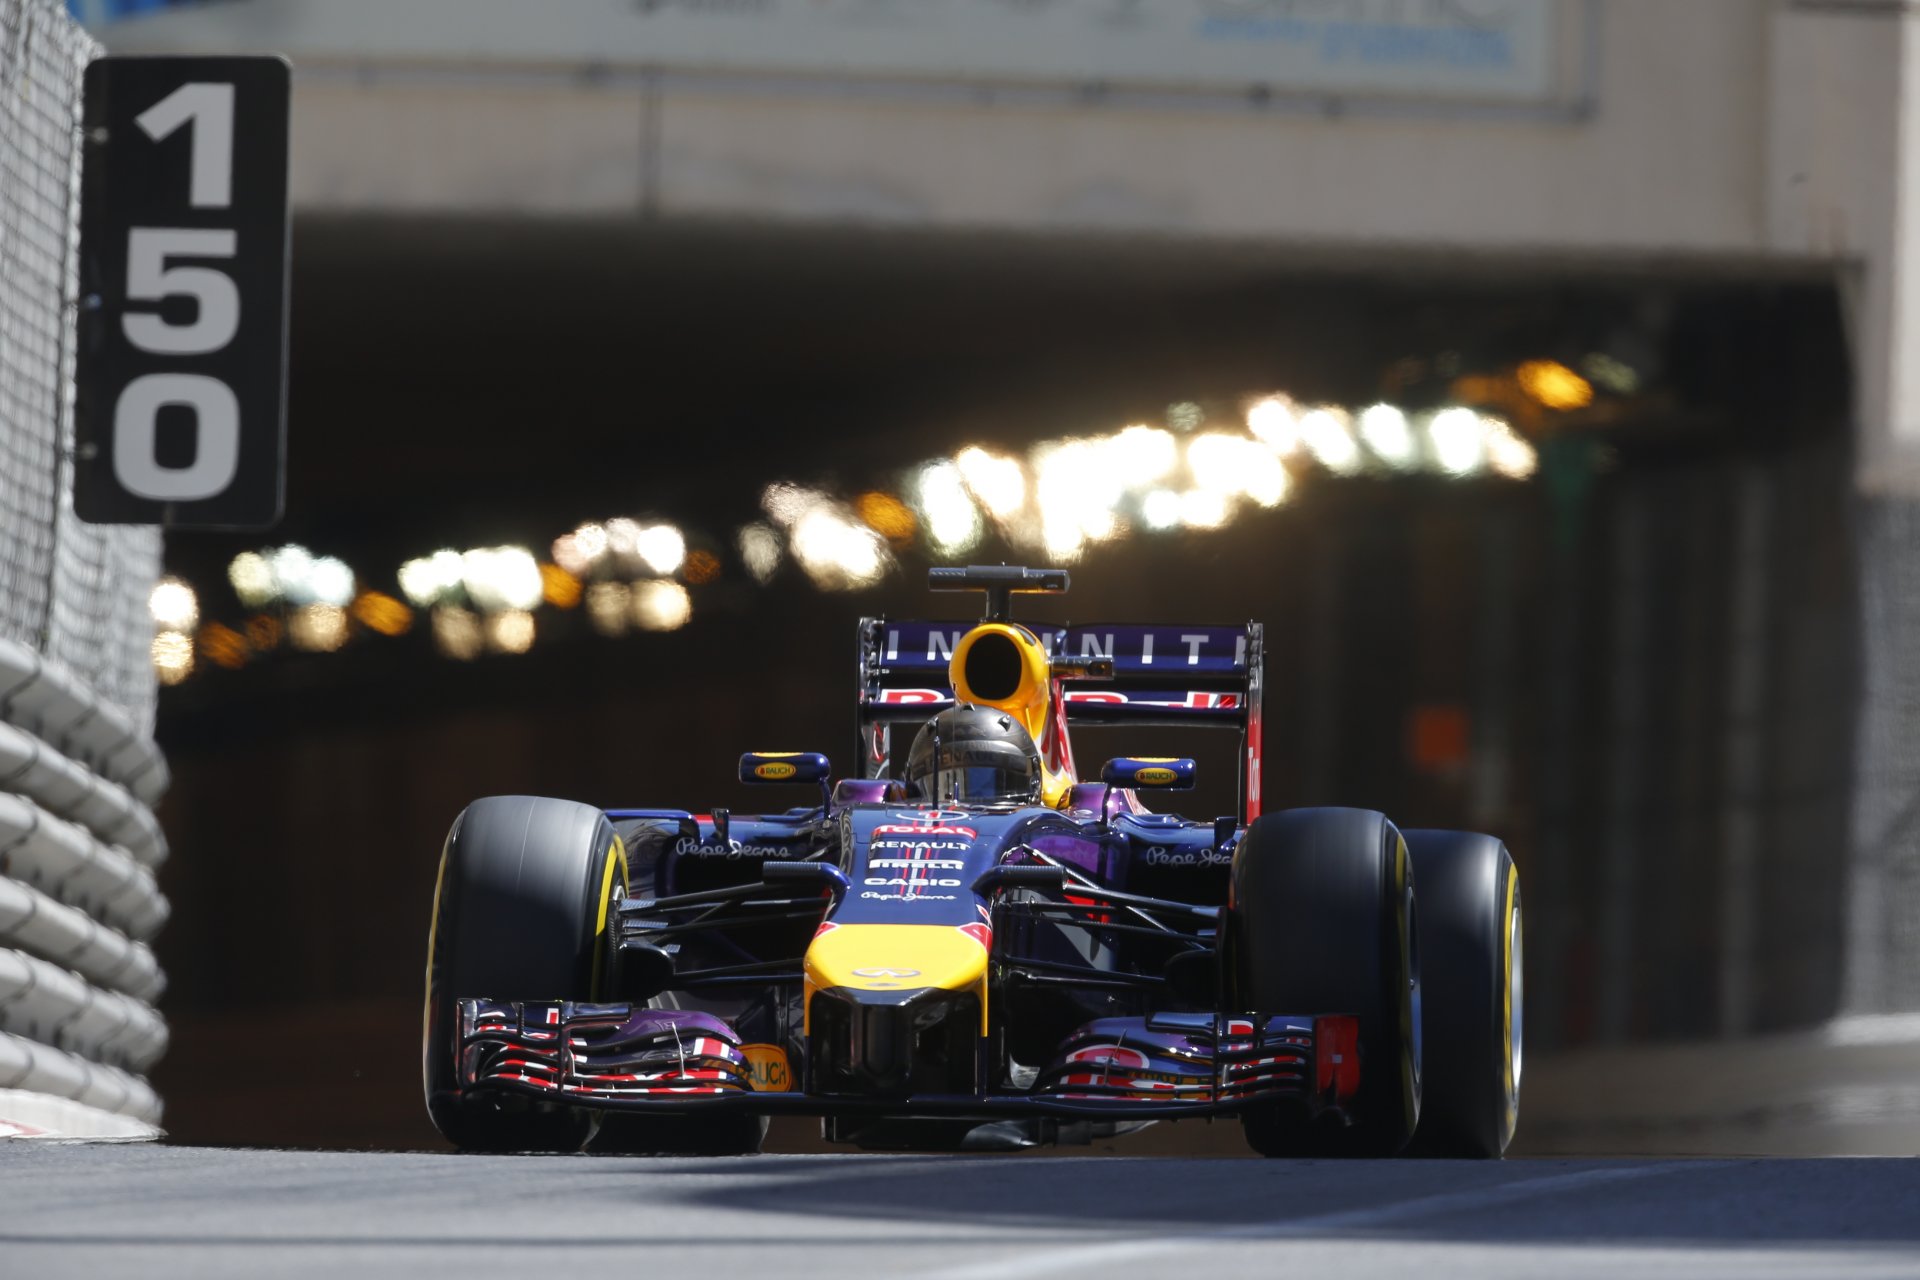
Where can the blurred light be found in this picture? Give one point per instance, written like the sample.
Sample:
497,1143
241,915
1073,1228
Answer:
1228,465
172,653
661,605
609,604
999,483
1507,453
290,565
252,579
760,552
1078,484
1145,453
1204,509
661,547
509,631
1185,416
1160,509
701,568
329,581
887,516
558,587
223,646
837,551
1616,376
263,633
953,522
1457,441
426,580
1324,432
1554,385
173,605
317,628
568,555
456,632
499,578
1275,424
786,503
579,551
1387,433
379,612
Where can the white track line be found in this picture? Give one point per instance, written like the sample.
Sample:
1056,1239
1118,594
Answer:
1131,1249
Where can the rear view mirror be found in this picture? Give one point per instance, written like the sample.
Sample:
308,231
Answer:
758,768
1144,773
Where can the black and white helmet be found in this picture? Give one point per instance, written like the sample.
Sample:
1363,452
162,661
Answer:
974,755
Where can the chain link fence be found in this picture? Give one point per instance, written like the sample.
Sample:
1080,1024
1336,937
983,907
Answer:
74,592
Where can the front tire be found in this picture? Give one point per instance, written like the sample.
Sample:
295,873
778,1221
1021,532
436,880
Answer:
1321,920
1470,913
520,912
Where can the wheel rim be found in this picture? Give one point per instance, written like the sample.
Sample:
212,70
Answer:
1514,1001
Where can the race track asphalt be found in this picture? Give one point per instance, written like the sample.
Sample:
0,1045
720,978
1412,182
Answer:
202,1213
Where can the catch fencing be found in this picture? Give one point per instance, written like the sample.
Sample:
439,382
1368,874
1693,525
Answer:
79,772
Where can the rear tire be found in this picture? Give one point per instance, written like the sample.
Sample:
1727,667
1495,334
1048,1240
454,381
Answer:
520,912
1321,919
1471,962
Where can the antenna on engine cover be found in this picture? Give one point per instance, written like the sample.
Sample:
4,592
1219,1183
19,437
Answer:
1000,582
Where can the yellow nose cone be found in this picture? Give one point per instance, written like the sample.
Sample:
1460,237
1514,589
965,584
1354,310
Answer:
896,957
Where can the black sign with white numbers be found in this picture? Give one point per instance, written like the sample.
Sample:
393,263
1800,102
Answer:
180,378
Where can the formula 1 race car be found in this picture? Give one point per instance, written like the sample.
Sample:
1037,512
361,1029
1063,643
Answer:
970,948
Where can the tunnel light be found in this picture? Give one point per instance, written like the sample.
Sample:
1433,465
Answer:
786,503
317,628
456,632
661,605
1553,385
1507,453
837,551
1000,484
953,522
172,653
760,552
1458,441
1144,454
1160,509
609,606
1388,435
887,516
381,613
498,578
427,580
1274,422
661,547
290,565
1204,509
1324,432
173,605
509,631
330,581
252,579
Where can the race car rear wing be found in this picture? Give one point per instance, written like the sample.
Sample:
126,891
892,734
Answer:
1161,675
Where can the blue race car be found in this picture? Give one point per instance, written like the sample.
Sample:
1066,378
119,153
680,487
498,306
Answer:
972,948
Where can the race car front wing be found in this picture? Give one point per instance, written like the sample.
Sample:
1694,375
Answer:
629,1057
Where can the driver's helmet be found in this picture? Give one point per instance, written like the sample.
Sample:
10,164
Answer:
974,755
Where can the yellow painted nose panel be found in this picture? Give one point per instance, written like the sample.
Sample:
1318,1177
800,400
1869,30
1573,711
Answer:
896,957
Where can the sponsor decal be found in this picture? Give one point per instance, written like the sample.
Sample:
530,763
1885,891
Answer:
880,882
892,829
886,973
774,770
688,847
911,864
957,846
767,1069
1161,856
1154,776
911,897
930,815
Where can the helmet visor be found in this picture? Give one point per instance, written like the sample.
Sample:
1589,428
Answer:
981,784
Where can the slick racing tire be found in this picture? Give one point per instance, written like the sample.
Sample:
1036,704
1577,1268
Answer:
1470,966
520,912
1321,919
